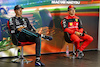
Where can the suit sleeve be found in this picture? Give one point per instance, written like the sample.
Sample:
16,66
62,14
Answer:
65,27
80,26
12,26
29,25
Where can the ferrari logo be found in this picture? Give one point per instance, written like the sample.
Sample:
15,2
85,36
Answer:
72,6
76,20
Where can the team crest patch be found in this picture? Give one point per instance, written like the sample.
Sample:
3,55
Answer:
72,6
76,20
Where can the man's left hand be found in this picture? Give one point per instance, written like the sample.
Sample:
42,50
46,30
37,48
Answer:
20,29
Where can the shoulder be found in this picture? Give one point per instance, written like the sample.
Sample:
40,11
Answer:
11,19
24,17
66,17
76,17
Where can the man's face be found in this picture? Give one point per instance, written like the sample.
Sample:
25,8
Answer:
72,11
18,12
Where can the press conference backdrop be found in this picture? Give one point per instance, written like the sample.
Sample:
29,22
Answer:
46,19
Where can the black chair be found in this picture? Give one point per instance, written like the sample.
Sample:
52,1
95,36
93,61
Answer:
18,43
67,39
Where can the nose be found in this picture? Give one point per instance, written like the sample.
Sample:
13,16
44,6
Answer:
21,11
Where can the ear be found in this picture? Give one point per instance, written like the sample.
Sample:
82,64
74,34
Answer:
15,11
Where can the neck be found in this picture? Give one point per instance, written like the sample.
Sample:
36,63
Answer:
18,15
72,15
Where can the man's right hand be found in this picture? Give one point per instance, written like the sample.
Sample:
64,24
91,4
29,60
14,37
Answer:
20,29
78,33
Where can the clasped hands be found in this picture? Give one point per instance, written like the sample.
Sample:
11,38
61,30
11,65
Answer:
78,33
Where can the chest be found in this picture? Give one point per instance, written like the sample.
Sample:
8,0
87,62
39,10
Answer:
19,22
73,22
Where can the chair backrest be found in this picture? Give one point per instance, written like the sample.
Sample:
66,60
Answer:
67,37
8,26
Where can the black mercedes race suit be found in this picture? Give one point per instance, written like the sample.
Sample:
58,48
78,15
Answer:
24,36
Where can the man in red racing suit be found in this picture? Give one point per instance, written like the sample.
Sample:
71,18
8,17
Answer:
73,26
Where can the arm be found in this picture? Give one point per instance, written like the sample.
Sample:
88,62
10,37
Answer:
13,36
80,31
65,27
12,26
29,25
80,26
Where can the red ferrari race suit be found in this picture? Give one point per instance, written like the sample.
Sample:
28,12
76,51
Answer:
71,24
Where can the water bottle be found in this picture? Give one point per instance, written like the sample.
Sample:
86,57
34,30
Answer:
67,51
18,53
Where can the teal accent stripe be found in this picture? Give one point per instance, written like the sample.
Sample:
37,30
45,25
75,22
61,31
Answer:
18,34
88,7
29,33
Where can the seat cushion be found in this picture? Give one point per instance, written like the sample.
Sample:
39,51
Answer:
25,43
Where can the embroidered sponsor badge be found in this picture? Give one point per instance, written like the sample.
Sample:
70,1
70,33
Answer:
76,20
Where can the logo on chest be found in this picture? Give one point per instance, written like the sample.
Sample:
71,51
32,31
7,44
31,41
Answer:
73,25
